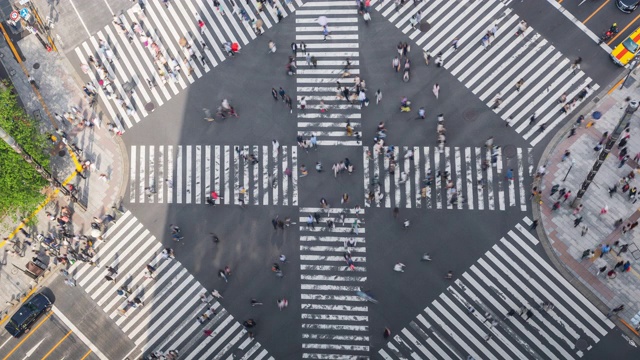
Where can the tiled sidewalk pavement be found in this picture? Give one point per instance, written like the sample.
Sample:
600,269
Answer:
60,89
567,241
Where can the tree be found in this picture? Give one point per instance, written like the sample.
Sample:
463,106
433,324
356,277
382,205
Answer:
20,185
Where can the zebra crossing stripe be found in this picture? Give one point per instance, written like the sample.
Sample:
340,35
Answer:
488,72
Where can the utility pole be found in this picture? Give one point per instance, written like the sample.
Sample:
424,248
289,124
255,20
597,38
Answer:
624,120
39,168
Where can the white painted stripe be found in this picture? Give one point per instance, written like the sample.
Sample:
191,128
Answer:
526,233
490,198
245,176
294,176
321,297
265,175
428,172
479,176
280,175
334,307
189,174
335,327
217,172
329,287
160,182
458,165
171,183
142,173
133,174
236,176
432,343
417,178
453,334
207,171
228,196
330,317
533,322
178,182
498,305
562,281
438,180
198,179
305,277
469,179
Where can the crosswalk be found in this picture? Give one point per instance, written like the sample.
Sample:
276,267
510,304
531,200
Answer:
335,322
134,59
493,72
328,121
187,174
168,317
475,177
471,317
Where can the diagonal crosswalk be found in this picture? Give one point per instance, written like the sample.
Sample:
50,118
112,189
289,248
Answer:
471,317
316,84
188,174
493,72
454,178
168,317
335,322
129,60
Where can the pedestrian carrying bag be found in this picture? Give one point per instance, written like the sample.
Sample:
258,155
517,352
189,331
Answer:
367,16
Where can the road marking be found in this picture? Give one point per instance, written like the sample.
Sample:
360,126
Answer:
79,17
87,354
595,12
27,336
56,345
79,334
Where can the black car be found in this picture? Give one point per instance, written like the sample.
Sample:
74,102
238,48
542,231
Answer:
627,5
28,313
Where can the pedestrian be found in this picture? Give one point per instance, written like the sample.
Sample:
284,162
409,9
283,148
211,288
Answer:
318,166
274,93
529,314
556,206
325,32
70,281
567,195
303,103
604,249
314,61
427,56
519,84
604,210
294,48
303,47
454,44
509,175
216,294
386,333
289,102
439,62
281,92
623,161
449,275
587,254
577,209
396,211
272,47
618,264
627,266
308,59
379,97
584,231
615,310
577,221
566,155
436,90
534,224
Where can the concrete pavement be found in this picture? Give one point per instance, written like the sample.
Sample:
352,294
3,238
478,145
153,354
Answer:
61,88
565,243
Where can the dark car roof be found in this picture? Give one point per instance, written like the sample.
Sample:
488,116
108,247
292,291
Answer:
35,305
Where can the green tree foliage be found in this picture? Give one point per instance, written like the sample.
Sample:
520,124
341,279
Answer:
20,184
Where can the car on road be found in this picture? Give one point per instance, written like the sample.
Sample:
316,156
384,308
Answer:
20,323
626,50
627,5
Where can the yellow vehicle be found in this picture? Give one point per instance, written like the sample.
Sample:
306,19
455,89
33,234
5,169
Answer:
626,50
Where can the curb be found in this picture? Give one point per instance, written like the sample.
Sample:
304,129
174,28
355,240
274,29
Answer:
542,235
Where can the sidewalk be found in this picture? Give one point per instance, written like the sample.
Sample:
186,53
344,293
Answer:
61,88
564,242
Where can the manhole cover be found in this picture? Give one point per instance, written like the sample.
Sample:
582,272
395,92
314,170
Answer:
582,344
62,153
36,66
149,107
424,26
470,114
509,151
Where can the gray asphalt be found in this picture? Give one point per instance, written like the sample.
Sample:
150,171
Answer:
456,239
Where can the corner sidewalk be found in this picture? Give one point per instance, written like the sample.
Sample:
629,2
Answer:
61,88
565,243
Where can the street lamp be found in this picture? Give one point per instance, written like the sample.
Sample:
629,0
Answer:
624,120
568,171
632,66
